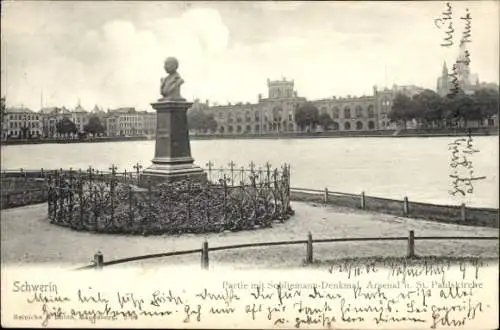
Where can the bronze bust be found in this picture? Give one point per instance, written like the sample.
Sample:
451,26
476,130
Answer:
171,85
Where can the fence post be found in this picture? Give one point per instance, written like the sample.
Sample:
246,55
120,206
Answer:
326,196
41,173
406,209
80,197
98,260
411,244
130,205
363,200
309,249
462,212
150,203
204,255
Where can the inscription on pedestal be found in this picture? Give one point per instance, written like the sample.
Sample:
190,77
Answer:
163,133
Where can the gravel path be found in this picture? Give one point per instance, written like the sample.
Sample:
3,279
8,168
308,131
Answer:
28,238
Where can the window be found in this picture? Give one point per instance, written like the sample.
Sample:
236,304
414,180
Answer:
347,126
347,112
336,113
371,111
359,111
386,105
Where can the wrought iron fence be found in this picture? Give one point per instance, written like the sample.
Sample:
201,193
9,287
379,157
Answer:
112,202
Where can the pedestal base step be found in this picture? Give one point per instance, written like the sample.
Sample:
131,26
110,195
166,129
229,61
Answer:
157,174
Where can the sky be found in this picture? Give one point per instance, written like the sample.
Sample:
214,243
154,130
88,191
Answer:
111,53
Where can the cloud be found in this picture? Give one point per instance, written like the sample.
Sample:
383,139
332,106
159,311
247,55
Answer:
113,55
117,60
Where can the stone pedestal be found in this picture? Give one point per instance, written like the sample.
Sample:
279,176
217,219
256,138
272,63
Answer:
172,159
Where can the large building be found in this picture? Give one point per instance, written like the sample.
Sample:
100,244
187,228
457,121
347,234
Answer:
52,115
129,122
21,123
276,112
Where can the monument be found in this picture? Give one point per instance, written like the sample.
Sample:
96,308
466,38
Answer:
172,160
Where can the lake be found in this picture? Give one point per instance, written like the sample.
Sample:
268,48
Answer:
418,167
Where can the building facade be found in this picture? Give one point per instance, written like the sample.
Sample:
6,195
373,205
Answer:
276,112
129,122
52,115
21,123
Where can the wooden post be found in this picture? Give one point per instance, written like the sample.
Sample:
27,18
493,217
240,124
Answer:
98,260
406,209
411,244
326,196
462,212
363,200
309,249
204,255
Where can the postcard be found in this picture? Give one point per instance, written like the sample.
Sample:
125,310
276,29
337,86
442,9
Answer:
229,165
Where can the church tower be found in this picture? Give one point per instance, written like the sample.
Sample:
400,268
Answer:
463,68
443,83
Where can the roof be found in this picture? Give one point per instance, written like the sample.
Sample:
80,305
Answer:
79,108
18,110
123,110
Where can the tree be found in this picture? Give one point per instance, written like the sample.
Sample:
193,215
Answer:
94,126
463,107
211,123
486,101
325,121
66,126
306,115
199,120
428,107
403,109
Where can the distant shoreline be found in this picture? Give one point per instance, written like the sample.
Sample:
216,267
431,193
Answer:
308,135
